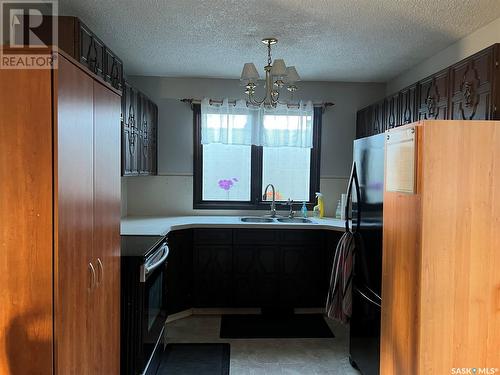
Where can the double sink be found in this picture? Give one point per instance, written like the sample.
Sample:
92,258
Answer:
274,220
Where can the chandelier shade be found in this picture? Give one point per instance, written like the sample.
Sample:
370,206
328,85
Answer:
291,75
249,73
279,68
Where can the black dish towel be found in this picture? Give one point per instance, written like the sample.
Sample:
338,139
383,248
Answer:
195,359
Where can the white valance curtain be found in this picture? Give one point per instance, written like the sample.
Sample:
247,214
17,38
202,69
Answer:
246,125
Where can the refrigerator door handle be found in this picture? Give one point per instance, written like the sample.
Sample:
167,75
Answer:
353,180
367,298
375,295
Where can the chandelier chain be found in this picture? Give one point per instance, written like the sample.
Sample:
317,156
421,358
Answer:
269,59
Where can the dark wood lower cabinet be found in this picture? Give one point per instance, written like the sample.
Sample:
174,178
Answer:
180,271
213,266
249,268
256,275
302,283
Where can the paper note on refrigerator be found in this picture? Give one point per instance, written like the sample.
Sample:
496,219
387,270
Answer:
400,161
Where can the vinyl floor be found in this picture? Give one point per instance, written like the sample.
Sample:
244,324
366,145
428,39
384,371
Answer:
325,356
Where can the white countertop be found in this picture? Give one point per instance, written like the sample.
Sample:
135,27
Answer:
161,225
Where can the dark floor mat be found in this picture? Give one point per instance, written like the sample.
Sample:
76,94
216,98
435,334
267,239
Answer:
273,326
195,359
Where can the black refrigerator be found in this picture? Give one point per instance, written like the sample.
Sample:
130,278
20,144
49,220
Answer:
367,206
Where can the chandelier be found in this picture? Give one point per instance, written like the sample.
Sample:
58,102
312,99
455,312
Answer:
278,75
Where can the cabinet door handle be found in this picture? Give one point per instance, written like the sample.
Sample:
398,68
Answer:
92,277
100,274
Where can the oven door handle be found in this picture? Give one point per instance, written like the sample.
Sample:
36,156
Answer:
148,268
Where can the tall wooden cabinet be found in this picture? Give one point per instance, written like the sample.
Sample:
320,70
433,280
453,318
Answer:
60,273
441,258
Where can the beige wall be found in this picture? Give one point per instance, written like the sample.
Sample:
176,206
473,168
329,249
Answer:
478,40
170,193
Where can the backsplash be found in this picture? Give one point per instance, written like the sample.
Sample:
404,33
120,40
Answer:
172,195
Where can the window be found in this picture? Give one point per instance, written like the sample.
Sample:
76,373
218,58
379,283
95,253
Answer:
226,172
231,171
289,170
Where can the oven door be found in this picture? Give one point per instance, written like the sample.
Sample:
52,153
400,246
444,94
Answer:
153,277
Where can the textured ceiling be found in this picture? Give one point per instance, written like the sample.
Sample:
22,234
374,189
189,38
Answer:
332,40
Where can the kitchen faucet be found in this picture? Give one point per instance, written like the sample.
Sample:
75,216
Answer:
291,213
273,203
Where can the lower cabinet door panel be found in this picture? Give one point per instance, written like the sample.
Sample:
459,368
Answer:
213,276
180,271
301,284
256,275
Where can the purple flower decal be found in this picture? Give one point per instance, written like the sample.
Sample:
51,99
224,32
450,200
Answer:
227,184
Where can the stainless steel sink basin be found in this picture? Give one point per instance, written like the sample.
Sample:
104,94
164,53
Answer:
257,220
293,220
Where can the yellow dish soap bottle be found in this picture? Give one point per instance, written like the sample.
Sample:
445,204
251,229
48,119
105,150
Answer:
319,209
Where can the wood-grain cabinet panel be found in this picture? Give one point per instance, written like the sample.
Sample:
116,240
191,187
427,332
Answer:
26,217
74,297
106,233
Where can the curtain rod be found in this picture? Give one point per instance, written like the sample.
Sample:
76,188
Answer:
233,102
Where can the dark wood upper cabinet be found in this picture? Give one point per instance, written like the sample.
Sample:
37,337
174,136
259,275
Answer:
391,111
471,83
130,132
363,122
139,133
154,139
468,90
432,97
91,50
496,84
377,118
113,69
407,102
78,40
